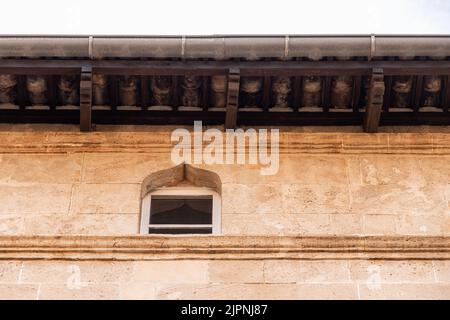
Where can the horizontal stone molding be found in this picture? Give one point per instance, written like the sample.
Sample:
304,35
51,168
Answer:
160,143
222,248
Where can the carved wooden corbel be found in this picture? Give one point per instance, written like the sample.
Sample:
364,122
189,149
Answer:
86,99
375,101
234,79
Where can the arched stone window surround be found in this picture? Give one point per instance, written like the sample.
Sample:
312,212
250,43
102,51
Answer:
182,180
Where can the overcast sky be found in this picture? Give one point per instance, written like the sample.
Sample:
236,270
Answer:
189,17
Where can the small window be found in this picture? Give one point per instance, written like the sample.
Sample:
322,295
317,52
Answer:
178,211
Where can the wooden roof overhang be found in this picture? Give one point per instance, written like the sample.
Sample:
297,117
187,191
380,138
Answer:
372,79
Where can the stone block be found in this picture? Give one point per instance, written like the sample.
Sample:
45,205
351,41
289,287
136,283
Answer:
221,271
9,271
257,198
11,225
34,199
76,274
123,168
84,224
106,198
316,198
18,291
375,224
304,271
40,168
406,291
398,199
442,271
163,272
372,273
431,225
104,291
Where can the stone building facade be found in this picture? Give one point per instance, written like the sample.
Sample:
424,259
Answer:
349,215
359,207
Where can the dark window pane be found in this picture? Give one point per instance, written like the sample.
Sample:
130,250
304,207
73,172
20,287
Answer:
180,231
181,210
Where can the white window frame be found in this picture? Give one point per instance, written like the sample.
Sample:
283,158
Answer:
180,191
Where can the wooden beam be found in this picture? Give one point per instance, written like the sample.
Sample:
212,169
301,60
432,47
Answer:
418,90
297,93
217,118
175,93
22,92
267,88
356,102
446,99
326,103
113,83
248,68
234,79
52,94
388,94
144,100
375,102
86,99
205,93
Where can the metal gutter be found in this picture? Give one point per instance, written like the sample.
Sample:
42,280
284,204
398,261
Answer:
222,47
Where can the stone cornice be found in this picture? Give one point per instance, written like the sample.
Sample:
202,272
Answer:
222,247
290,142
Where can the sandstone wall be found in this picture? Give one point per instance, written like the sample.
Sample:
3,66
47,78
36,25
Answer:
268,279
55,180
64,182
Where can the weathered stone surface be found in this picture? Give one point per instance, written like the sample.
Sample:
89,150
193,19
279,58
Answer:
104,291
138,291
306,271
292,224
24,199
181,272
406,291
236,271
11,225
398,199
312,224
260,292
86,224
411,143
106,198
423,225
327,292
378,170
376,224
442,269
365,143
448,196
372,273
122,168
76,273
40,168
345,224
316,198
259,224
226,292
264,198
9,271
319,143
313,169
18,291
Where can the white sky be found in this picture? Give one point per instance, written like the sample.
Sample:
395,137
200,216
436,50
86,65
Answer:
193,17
